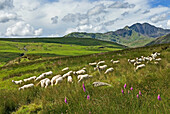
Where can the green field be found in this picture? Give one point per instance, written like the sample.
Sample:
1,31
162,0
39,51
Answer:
150,80
51,47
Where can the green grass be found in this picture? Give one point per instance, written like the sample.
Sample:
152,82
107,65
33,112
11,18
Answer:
151,81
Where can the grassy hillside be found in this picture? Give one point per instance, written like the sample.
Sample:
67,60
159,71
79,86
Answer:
51,47
150,80
161,40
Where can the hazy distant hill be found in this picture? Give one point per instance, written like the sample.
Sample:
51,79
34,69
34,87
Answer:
133,36
161,40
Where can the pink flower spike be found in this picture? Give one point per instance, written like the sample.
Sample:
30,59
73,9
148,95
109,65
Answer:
140,93
125,86
65,100
88,97
159,97
137,96
128,91
131,88
84,89
122,91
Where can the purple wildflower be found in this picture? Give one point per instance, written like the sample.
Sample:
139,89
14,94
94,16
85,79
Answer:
128,91
140,93
137,96
84,89
159,97
131,88
65,100
88,97
122,91
125,86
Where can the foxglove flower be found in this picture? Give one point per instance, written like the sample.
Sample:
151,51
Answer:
65,100
128,91
124,86
131,88
88,97
137,96
122,91
84,89
159,97
140,93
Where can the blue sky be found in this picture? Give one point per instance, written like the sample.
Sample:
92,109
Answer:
59,17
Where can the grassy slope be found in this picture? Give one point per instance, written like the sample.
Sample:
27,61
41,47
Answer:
151,80
48,47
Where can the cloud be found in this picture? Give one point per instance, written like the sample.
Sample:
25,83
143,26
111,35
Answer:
168,23
125,13
159,17
119,4
6,17
6,4
146,11
96,10
22,29
110,23
54,20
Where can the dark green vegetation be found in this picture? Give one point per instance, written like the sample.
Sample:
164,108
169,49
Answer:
37,48
150,80
161,40
133,36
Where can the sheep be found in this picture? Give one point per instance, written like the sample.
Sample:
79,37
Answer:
100,62
47,82
139,66
147,58
136,63
82,71
131,61
43,75
85,76
64,69
69,79
26,86
60,79
159,59
102,67
67,74
97,84
17,82
30,78
54,78
93,64
114,62
109,70
154,55
139,59
156,63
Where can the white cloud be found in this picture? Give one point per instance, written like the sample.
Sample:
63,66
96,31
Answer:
54,20
6,17
161,17
6,4
119,4
168,23
22,29
96,10
38,32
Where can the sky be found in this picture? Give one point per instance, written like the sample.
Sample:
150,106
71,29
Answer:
55,18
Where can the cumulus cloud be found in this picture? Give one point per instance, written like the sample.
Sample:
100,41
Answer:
96,10
6,17
6,4
22,29
38,32
119,4
168,23
161,17
54,20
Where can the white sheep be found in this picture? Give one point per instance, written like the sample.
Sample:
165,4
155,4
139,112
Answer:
102,67
70,79
54,78
64,69
131,61
30,78
109,70
93,64
43,75
17,82
67,74
136,63
48,73
82,77
139,66
158,59
117,61
60,79
82,71
100,62
47,82
26,86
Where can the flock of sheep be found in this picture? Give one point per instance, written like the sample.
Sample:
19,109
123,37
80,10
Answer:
82,73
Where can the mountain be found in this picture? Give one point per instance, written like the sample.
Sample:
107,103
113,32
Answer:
133,36
161,40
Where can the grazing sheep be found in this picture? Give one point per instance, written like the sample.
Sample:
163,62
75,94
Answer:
60,79
102,67
139,59
131,61
30,78
82,71
136,63
139,66
48,73
147,58
100,62
17,82
158,53
159,59
93,64
109,70
114,62
82,77
64,69
26,86
47,82
43,75
67,74
54,78
156,63
97,84
43,82
69,79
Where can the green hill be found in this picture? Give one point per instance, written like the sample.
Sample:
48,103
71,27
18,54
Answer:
161,40
151,80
